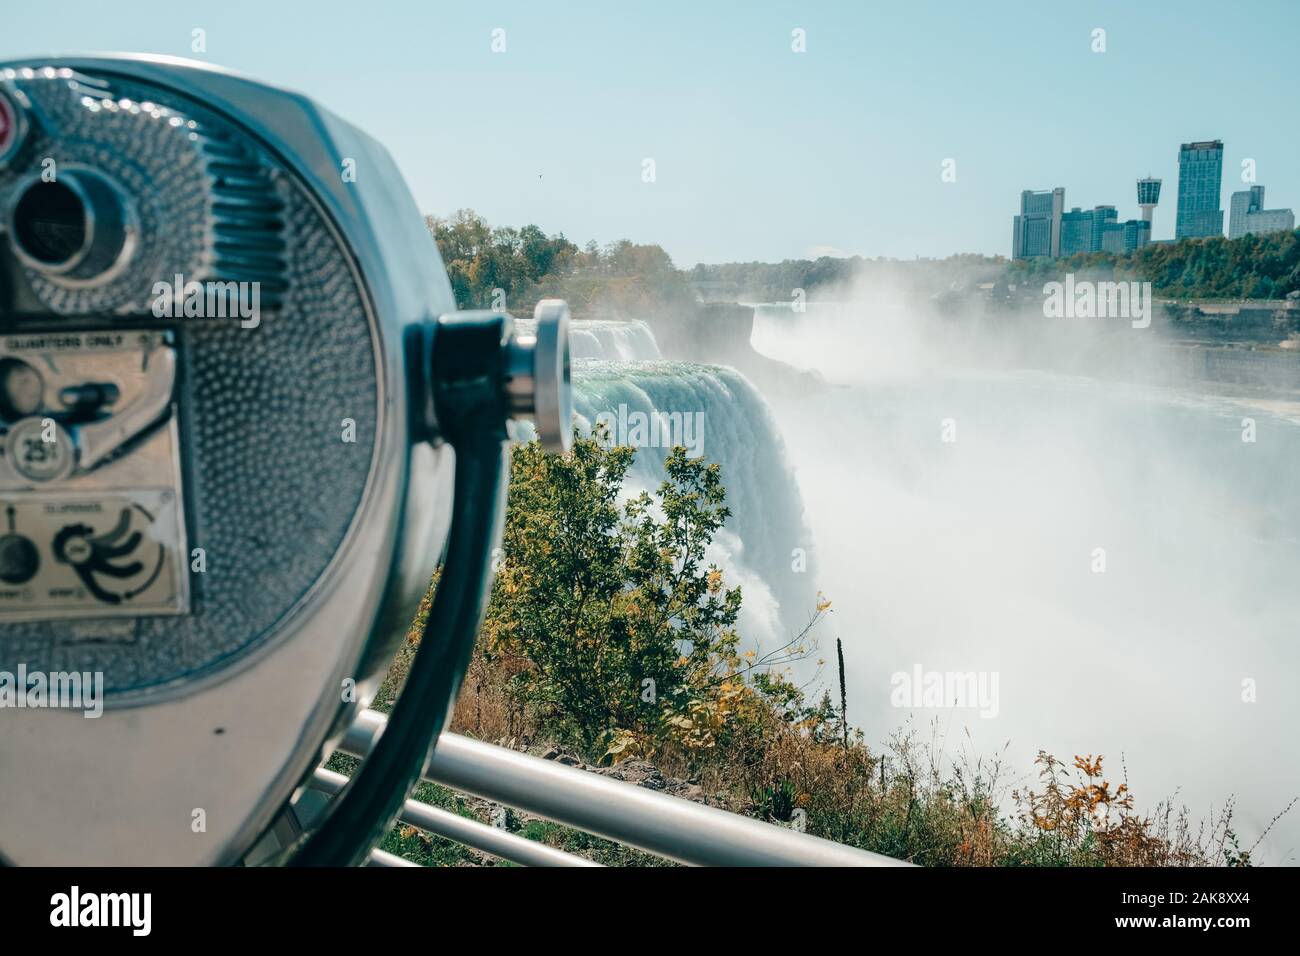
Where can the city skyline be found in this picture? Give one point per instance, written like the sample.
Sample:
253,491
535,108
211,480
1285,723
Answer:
1043,227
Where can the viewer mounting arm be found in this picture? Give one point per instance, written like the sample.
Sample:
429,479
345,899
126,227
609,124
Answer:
477,378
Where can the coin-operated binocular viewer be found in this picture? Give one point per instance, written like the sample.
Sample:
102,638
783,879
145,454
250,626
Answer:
241,421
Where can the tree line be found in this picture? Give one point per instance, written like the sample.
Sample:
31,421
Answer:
1252,267
507,267
504,267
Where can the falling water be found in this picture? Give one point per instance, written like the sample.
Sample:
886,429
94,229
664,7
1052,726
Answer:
616,341
765,544
713,411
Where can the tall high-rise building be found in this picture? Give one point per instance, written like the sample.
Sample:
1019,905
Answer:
1148,197
1247,215
1037,230
1200,177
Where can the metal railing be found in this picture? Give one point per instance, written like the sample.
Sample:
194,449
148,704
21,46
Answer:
384,859
491,840
653,822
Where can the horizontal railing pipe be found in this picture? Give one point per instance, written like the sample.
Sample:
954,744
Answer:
659,824
491,840
384,859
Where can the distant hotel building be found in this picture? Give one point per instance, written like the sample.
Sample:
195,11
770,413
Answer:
1248,215
1037,230
1082,229
1076,231
1097,230
1126,236
1200,177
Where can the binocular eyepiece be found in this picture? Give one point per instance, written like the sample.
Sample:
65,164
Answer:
241,419
79,227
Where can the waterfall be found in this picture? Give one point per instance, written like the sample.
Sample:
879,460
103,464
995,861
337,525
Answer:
651,404
616,341
716,413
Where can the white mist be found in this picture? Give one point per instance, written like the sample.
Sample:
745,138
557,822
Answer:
979,554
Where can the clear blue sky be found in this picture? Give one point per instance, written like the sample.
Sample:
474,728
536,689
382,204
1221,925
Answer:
761,153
